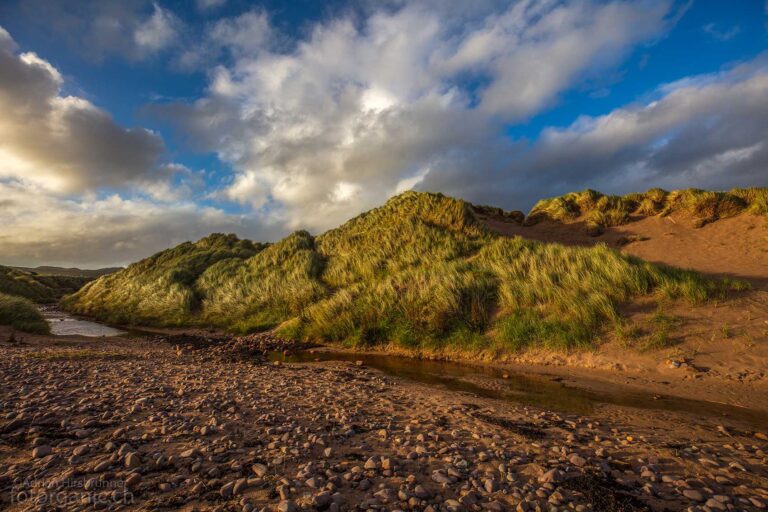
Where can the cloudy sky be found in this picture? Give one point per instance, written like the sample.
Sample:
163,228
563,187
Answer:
130,126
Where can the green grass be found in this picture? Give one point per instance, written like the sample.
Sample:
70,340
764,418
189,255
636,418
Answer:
661,336
420,272
21,314
600,211
159,290
38,287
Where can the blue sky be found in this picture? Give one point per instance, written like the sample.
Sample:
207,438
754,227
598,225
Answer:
264,117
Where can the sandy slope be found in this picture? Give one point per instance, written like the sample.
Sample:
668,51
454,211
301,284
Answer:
735,247
722,341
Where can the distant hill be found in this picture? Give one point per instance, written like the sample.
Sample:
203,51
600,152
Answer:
424,271
77,272
38,287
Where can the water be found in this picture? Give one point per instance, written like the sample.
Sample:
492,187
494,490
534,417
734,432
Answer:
529,389
63,324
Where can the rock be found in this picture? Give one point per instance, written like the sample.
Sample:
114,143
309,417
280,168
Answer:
133,480
322,500
190,454
287,506
81,450
693,494
42,451
577,460
715,505
227,490
552,476
421,493
440,477
132,460
452,506
259,470
240,486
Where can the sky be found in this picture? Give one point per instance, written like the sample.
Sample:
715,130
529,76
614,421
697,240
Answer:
130,126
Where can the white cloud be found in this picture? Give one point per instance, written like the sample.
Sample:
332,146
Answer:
159,31
335,123
58,156
42,229
65,143
707,131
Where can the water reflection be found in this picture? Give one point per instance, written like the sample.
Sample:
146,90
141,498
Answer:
63,324
528,389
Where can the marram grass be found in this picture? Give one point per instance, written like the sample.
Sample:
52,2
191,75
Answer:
420,272
21,314
600,211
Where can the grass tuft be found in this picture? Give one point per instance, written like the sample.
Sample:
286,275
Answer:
21,314
601,211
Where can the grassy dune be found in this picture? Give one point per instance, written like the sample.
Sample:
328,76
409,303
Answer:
37,287
21,314
420,272
161,289
601,211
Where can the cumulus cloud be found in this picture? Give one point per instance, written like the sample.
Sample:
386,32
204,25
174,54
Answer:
363,107
708,131
76,188
65,143
42,229
230,38
159,31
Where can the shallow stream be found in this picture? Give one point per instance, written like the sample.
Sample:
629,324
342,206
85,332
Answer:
532,389
525,388
64,324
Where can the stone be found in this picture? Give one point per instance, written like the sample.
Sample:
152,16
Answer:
693,494
132,460
190,454
133,480
552,476
440,477
42,451
452,506
259,470
287,506
577,460
227,490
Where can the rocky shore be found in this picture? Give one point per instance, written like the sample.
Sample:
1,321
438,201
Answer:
182,424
